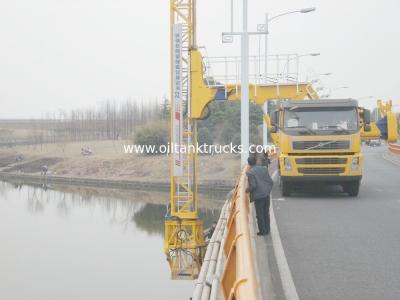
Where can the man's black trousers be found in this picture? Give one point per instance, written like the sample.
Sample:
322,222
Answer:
262,214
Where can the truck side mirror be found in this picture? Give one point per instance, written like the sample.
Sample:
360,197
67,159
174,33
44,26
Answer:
274,118
367,117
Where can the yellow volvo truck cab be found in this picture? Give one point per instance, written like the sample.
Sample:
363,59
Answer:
320,143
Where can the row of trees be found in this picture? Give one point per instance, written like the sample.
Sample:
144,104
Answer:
223,124
109,120
221,127
146,122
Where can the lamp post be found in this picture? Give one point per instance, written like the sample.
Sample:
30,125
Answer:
316,80
244,107
227,37
298,62
297,58
364,97
340,88
332,90
266,29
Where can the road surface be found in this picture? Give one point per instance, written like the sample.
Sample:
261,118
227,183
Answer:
339,247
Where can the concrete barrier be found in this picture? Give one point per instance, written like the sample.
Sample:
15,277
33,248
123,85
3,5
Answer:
239,279
394,148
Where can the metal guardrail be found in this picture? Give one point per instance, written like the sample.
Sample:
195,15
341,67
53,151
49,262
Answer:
229,263
239,279
208,283
229,268
394,148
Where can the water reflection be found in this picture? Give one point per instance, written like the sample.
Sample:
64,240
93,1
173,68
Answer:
121,206
62,242
151,218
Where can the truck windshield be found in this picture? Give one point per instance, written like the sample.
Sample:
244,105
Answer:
321,120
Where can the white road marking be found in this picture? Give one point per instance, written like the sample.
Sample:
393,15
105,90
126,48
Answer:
286,276
279,199
393,161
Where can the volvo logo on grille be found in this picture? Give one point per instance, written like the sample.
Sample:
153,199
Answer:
324,145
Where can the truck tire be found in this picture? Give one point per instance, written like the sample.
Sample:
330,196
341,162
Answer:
285,189
352,188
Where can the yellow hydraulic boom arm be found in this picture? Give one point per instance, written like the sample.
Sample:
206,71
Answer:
202,94
386,127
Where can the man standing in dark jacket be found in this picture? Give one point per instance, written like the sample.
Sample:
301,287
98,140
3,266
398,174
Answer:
260,186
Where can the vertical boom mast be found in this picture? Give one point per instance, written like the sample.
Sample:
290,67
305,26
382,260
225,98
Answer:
184,237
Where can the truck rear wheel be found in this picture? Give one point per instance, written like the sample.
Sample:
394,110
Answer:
352,188
285,188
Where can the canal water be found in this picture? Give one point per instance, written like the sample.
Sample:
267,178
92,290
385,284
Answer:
78,243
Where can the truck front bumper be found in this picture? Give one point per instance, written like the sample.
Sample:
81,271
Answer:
320,168
321,178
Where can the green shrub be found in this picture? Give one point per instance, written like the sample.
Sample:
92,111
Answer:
204,136
155,133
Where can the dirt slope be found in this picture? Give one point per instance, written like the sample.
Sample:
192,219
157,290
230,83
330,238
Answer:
109,161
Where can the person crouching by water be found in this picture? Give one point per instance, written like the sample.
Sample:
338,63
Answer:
260,186
44,170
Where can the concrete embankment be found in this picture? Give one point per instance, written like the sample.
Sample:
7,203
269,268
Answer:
212,186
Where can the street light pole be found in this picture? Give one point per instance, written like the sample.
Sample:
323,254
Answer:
267,20
265,105
244,109
333,90
227,37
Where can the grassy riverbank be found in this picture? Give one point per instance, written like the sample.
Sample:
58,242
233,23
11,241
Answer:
109,161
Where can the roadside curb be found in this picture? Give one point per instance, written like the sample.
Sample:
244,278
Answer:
388,156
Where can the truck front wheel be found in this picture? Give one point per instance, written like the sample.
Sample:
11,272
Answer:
285,188
352,188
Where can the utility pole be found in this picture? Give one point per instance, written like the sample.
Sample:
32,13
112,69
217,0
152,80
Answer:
265,105
244,101
266,32
227,37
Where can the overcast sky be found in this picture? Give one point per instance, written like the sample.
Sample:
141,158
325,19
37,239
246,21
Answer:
63,54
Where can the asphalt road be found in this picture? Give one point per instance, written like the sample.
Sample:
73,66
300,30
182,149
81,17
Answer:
338,247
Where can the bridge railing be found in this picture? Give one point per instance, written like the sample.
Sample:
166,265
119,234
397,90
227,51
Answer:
228,270
239,279
394,148
208,282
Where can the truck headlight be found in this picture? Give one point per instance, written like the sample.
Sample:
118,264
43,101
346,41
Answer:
287,164
354,164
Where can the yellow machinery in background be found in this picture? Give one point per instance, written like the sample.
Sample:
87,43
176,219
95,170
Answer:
190,96
386,125
202,94
320,143
184,232
325,148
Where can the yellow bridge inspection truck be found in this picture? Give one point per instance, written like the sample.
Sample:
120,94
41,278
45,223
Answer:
320,142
